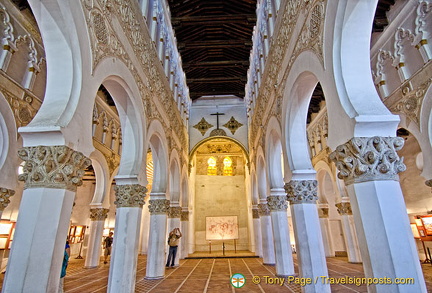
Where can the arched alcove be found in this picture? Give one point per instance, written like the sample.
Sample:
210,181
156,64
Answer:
219,196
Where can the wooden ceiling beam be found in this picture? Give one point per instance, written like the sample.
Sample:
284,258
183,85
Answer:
211,19
214,43
216,63
197,95
216,79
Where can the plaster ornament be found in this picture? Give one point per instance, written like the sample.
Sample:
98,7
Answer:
255,213
323,212
344,208
174,212
52,167
233,125
98,214
184,216
277,203
363,159
263,209
159,206
203,126
130,195
5,194
218,132
301,191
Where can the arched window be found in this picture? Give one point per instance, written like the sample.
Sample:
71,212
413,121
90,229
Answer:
211,169
227,170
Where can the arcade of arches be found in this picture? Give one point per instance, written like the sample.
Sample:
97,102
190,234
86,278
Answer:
316,145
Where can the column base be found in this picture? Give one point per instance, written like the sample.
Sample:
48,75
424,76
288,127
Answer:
91,267
269,264
153,278
356,262
286,276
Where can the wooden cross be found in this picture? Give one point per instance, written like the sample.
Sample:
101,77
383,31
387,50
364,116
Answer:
217,118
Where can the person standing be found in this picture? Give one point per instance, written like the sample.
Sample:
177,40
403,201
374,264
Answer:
65,263
107,246
173,241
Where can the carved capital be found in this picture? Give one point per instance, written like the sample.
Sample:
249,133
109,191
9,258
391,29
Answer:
364,159
98,214
4,197
184,216
130,195
255,213
277,203
344,208
174,212
263,209
301,191
52,167
159,206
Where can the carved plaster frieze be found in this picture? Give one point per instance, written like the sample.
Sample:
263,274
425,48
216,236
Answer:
106,43
130,195
184,216
277,203
301,191
52,167
364,159
159,206
311,14
344,208
411,102
174,212
5,194
310,37
263,209
98,214
24,108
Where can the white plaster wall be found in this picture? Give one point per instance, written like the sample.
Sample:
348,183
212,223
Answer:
230,106
220,196
337,235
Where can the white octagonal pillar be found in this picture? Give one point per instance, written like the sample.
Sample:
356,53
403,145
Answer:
124,255
369,167
97,217
302,195
348,228
277,202
158,207
268,251
51,175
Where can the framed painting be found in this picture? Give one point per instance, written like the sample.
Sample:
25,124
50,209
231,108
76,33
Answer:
427,224
221,228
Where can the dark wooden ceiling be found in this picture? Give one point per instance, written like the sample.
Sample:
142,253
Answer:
214,40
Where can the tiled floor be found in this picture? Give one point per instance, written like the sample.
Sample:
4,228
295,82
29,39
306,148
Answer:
213,275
